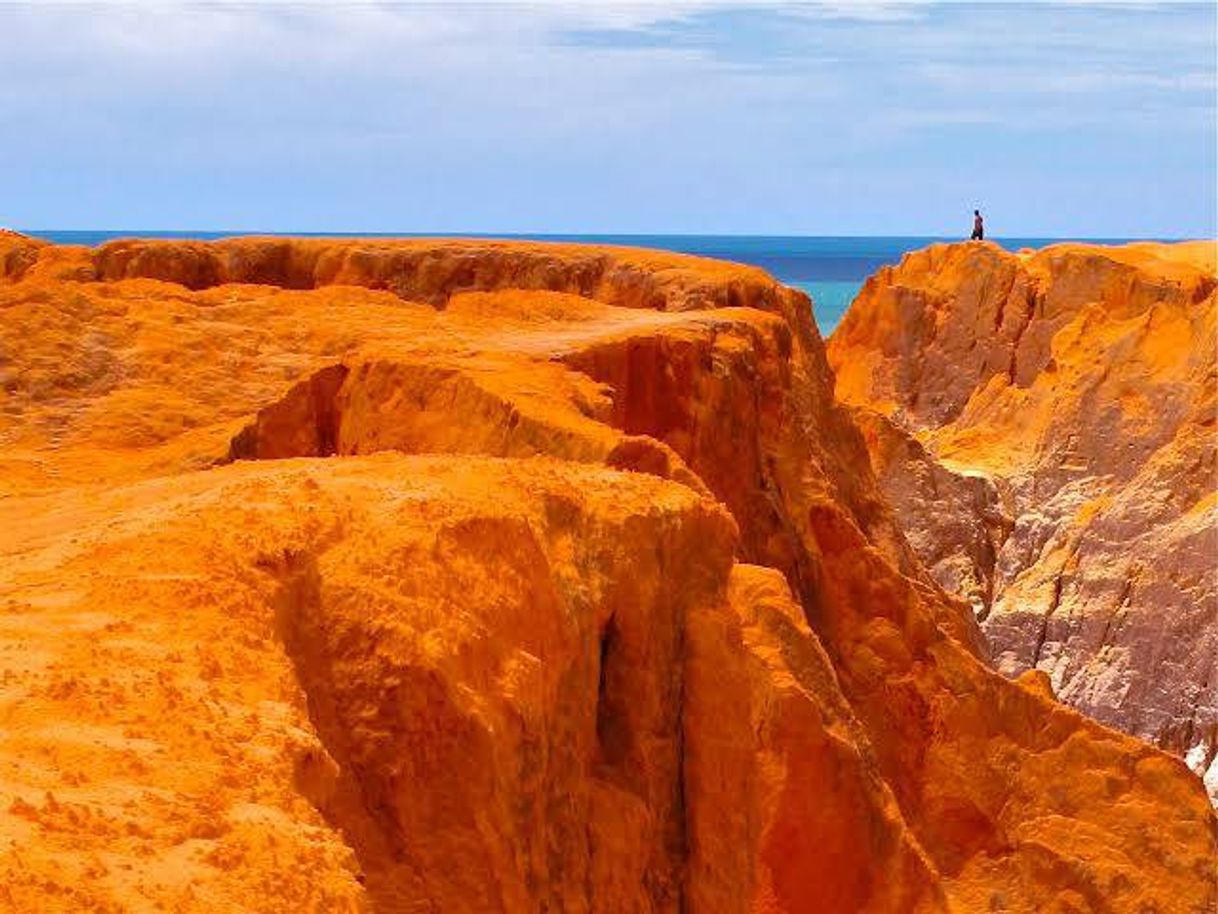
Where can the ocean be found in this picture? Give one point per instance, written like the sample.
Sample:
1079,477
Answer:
830,269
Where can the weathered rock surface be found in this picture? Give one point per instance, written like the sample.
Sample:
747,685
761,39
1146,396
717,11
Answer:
954,521
1080,382
476,576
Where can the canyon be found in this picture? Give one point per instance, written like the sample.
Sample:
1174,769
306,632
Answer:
477,576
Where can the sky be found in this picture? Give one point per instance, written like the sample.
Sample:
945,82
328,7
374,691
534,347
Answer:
1082,119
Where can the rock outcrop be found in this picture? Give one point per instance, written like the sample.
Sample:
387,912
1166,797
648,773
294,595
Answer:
1055,412
476,576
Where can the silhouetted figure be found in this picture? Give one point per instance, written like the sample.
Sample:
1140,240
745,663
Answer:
978,226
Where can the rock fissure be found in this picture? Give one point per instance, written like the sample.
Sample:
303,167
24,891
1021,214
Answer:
1047,619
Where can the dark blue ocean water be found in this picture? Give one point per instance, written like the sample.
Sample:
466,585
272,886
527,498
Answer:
830,269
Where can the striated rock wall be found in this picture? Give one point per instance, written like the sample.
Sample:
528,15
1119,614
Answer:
954,521
1079,383
501,577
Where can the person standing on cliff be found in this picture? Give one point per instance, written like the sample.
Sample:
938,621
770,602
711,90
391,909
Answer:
978,226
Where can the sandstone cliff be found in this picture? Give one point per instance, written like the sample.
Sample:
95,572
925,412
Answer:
1056,419
476,576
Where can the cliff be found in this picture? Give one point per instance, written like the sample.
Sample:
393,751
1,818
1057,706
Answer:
478,576
1072,391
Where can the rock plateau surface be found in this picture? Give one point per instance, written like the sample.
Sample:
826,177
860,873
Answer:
1044,424
466,576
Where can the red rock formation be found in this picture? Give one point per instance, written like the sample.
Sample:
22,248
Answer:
475,576
1080,381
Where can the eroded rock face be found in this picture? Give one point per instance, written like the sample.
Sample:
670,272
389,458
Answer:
956,521
475,576
1080,381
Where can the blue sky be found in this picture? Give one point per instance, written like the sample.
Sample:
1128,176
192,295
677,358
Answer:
1081,119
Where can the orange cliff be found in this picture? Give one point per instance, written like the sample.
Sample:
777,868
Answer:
1045,426
475,576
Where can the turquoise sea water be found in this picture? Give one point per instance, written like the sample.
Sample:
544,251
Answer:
830,269
831,299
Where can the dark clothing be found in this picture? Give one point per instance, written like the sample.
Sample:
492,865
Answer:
978,229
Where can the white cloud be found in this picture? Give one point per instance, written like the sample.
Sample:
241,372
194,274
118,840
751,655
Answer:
514,105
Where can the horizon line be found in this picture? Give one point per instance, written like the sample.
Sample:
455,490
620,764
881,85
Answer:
132,232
